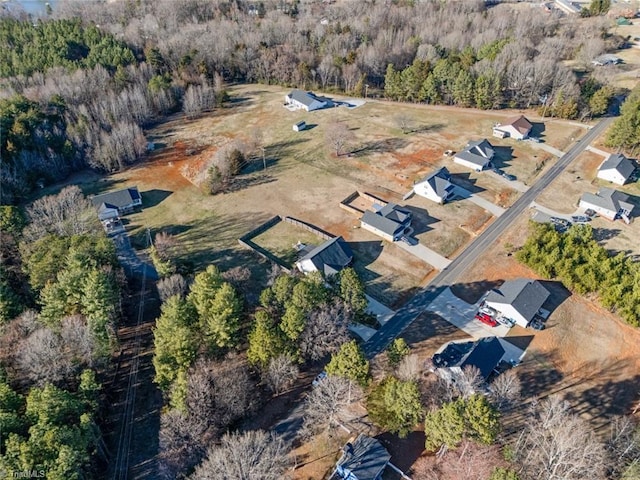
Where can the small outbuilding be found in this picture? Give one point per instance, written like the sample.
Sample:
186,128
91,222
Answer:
608,203
298,127
115,204
477,155
364,459
616,169
515,127
436,186
605,60
518,300
390,221
328,258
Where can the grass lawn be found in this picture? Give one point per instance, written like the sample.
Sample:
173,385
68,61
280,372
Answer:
281,240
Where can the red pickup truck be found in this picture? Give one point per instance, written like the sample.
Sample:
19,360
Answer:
486,319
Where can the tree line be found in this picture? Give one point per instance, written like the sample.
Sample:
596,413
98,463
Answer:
576,258
625,130
61,290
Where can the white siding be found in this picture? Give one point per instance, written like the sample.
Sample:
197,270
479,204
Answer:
470,165
380,233
611,175
424,190
306,266
606,213
508,311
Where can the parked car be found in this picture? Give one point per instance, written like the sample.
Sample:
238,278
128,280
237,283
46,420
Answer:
486,319
497,170
509,177
409,240
448,153
486,310
534,139
580,219
507,322
560,221
590,213
321,376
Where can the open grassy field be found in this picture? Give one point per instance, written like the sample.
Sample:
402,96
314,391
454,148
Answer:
305,179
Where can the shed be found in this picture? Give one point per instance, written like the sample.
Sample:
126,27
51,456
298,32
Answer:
298,127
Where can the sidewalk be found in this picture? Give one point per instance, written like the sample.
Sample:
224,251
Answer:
598,151
481,202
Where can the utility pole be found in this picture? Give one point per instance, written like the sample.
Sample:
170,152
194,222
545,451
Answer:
264,160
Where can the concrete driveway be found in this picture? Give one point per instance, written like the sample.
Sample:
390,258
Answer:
460,313
515,184
426,255
481,202
553,213
547,148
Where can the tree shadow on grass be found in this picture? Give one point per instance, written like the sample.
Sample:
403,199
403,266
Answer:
435,127
604,234
154,197
379,146
471,292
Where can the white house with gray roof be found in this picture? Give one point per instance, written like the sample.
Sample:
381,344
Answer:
114,204
616,169
435,186
518,300
306,100
329,258
477,155
389,221
608,203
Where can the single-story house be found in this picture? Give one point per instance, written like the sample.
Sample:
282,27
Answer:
609,203
364,459
477,155
485,354
617,169
298,127
519,300
306,100
328,258
606,59
436,186
390,221
515,127
114,204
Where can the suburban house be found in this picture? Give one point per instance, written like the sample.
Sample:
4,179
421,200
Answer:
114,204
364,459
390,222
485,354
609,203
477,155
516,127
435,186
328,258
606,59
306,100
617,169
518,300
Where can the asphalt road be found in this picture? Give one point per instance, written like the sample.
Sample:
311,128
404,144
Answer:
419,303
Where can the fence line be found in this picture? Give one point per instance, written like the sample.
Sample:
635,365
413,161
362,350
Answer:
261,228
263,253
309,227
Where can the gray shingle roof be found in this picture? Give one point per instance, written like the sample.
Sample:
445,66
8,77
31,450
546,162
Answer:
365,459
485,354
610,199
525,296
331,256
306,98
619,162
390,219
117,199
439,182
478,152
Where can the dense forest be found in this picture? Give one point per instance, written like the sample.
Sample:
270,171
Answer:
78,93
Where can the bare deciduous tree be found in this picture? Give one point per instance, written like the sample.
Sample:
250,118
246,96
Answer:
255,455
280,374
404,122
325,330
410,368
558,445
470,461
327,403
42,359
469,381
198,99
505,389
181,446
623,445
176,284
67,213
338,136
165,244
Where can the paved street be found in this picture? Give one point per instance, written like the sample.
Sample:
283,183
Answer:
481,202
426,255
420,302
